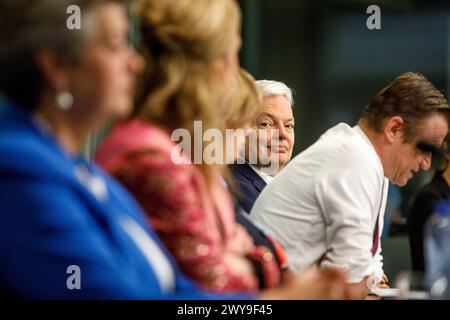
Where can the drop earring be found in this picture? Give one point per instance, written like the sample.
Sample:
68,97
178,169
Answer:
64,100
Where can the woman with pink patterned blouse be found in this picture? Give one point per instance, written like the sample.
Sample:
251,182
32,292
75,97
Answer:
188,204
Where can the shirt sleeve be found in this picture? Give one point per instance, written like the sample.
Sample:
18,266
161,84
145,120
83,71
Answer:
174,199
349,196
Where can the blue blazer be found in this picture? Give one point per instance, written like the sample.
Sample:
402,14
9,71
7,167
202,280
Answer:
51,218
249,184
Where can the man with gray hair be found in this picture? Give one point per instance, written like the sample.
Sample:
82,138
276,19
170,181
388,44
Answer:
274,129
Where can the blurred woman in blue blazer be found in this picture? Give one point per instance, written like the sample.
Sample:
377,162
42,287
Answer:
67,230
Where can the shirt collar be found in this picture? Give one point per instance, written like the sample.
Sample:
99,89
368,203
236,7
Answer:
267,178
363,135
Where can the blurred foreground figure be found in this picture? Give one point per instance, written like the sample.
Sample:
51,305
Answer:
68,230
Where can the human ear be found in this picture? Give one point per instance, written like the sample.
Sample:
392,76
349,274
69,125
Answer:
393,128
53,71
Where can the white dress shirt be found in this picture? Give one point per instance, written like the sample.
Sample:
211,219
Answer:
267,178
323,206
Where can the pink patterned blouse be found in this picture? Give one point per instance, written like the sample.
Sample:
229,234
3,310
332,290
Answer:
195,221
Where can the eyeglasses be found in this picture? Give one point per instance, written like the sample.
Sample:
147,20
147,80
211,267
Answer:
429,148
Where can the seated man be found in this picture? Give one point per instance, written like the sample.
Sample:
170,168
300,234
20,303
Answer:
274,125
326,207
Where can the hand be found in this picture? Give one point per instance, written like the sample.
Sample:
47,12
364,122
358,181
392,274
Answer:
241,242
287,275
384,282
240,265
373,297
317,284
358,290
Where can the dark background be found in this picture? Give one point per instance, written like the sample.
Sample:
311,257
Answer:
324,51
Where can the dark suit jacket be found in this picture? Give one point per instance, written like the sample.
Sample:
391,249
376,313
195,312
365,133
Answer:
249,184
424,205
258,236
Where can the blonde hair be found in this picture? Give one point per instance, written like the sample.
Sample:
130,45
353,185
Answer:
242,108
181,41
244,102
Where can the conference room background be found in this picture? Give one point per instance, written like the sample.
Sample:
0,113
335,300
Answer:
336,64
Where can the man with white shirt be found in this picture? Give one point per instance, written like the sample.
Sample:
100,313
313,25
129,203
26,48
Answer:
326,207
274,137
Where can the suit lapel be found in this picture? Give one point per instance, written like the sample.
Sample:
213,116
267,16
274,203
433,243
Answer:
252,176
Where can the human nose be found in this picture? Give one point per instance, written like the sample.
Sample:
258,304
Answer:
282,132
